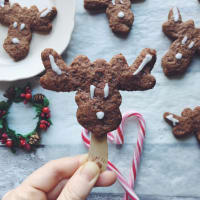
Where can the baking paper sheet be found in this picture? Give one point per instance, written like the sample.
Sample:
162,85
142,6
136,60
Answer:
170,167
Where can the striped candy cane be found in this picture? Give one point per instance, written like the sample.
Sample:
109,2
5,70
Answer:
118,138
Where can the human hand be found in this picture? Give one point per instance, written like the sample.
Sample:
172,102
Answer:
69,178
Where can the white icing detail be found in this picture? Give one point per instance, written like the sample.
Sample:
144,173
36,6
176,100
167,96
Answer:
175,14
92,89
179,56
106,90
15,24
45,12
2,2
121,1
191,45
184,40
172,119
54,66
113,2
15,41
22,26
146,60
121,14
100,115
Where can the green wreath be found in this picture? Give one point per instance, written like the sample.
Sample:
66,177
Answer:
9,137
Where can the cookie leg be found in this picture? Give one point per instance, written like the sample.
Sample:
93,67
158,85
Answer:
18,40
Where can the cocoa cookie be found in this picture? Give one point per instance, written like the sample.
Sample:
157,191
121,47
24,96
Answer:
98,84
118,12
186,43
22,22
186,124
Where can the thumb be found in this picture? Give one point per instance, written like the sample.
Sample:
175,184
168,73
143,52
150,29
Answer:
81,183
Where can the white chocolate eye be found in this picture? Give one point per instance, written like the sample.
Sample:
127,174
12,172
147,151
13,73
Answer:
179,56
106,90
191,45
121,14
172,119
92,89
184,40
100,115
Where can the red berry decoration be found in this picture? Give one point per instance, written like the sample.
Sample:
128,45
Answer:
42,126
14,140
22,142
9,143
45,110
4,136
28,96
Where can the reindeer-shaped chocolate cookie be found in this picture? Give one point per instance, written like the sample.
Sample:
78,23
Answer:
98,84
118,12
186,124
186,44
22,22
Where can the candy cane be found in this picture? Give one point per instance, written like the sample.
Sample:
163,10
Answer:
118,138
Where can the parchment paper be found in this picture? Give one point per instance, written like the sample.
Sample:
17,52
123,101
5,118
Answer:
170,167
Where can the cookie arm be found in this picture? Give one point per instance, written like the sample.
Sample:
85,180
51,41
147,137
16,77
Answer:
55,77
171,27
59,77
138,75
43,20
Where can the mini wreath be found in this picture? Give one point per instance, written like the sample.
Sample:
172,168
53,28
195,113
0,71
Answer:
28,141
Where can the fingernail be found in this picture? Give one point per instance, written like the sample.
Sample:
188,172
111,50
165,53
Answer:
90,170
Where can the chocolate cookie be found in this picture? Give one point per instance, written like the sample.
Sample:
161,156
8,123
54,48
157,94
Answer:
98,84
22,22
186,124
186,44
118,12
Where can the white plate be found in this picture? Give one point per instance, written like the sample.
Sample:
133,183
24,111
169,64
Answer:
58,39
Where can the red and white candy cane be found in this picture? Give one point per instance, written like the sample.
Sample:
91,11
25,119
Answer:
118,138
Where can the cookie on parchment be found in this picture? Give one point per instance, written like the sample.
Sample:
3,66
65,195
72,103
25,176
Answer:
186,124
186,43
22,22
98,84
118,12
